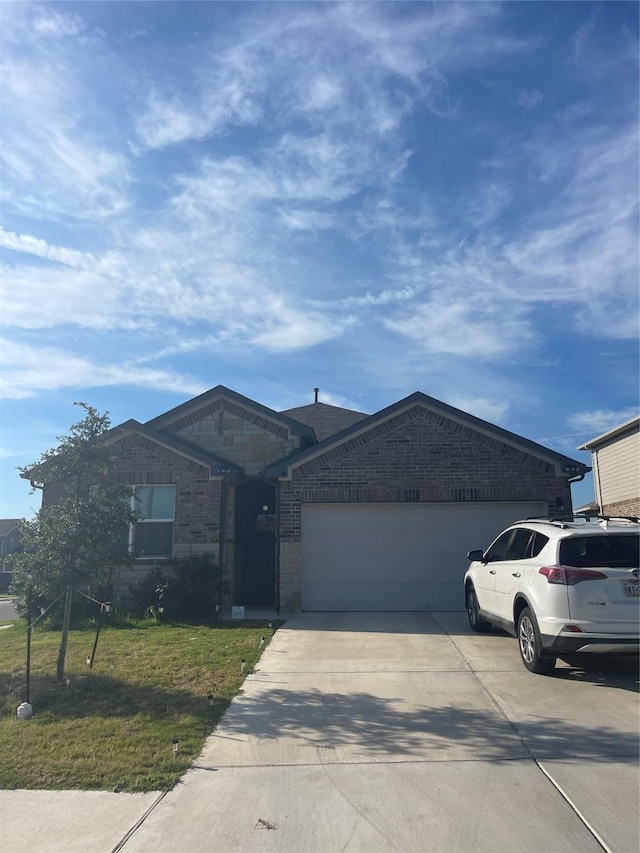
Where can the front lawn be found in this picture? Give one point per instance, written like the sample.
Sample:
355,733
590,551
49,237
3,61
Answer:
112,728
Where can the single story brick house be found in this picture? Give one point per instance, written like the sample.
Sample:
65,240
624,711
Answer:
324,508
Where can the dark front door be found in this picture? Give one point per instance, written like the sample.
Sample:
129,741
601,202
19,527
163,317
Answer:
256,541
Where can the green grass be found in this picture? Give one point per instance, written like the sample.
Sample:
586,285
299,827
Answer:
112,728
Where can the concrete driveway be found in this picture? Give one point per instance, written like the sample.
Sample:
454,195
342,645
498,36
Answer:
397,732
380,732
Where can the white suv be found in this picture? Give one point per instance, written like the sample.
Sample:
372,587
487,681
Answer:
560,587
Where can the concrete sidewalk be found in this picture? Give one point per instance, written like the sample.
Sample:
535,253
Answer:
69,821
379,732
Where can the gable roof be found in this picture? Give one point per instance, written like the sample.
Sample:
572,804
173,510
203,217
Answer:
8,525
294,427
325,420
620,431
216,464
566,466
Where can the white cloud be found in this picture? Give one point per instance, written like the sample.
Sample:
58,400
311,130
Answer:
27,244
226,95
307,220
5,453
594,423
311,229
384,297
286,330
331,65
28,370
37,297
331,399
466,328
168,120
56,161
52,24
576,251
529,99
494,411
180,286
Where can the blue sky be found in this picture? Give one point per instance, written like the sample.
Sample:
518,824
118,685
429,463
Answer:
370,198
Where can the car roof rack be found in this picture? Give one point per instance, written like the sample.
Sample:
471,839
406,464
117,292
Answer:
544,519
629,519
565,523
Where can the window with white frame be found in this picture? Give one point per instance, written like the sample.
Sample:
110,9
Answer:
152,535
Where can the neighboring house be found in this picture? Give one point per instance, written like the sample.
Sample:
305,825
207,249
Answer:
324,508
616,469
9,544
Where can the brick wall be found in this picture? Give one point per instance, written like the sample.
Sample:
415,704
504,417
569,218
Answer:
628,507
417,455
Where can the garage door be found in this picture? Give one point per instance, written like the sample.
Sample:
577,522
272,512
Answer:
396,556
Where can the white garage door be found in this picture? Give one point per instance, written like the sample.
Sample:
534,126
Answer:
396,556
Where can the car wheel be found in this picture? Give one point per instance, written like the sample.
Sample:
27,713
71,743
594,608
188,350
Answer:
473,611
530,645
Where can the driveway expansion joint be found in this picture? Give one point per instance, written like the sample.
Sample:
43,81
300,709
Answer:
119,846
528,749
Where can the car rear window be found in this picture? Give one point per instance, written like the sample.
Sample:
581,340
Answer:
608,550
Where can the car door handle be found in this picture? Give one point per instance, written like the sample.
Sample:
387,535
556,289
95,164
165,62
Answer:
516,574
492,571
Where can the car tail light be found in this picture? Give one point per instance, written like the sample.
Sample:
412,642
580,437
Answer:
572,629
569,577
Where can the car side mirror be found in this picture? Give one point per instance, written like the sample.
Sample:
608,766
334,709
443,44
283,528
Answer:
475,556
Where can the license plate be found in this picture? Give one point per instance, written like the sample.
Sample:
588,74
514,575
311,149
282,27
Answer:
631,588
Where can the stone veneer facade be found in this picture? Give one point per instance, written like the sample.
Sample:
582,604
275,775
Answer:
243,437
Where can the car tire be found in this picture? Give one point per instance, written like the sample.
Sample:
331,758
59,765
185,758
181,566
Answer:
479,625
530,645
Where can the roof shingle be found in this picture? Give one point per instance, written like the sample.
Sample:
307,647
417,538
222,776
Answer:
325,420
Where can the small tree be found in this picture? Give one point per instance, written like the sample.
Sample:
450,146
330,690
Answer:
81,529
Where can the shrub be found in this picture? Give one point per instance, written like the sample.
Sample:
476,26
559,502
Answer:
189,588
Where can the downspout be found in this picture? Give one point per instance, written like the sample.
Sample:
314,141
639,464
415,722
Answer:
277,546
572,480
221,544
599,498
